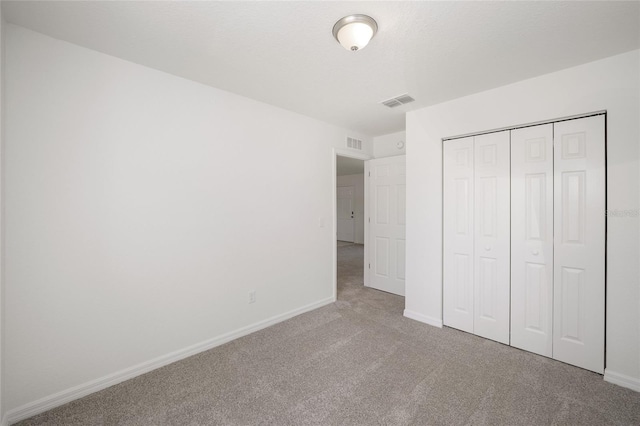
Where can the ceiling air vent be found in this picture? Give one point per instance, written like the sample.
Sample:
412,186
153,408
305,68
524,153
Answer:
397,101
354,143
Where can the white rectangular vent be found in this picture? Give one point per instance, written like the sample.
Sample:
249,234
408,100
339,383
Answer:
397,101
391,103
354,143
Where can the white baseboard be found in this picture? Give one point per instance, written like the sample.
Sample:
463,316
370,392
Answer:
623,380
423,318
76,392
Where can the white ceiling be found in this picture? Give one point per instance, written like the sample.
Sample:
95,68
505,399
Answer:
283,53
349,166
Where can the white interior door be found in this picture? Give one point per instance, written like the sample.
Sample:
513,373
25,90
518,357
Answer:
491,236
345,213
458,234
532,238
579,217
387,192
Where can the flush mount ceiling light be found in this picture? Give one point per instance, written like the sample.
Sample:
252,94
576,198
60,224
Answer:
354,32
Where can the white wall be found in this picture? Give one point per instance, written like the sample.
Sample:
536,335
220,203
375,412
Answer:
2,410
387,145
141,208
611,84
357,181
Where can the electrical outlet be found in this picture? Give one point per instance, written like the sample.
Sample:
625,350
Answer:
252,296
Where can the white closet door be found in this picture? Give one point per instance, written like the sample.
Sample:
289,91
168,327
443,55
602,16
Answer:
579,216
532,239
458,234
492,253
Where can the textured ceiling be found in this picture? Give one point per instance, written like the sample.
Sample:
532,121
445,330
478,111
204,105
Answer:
283,53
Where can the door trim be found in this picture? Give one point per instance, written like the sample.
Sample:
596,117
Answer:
535,123
334,212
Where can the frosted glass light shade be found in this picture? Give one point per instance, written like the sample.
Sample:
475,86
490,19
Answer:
354,32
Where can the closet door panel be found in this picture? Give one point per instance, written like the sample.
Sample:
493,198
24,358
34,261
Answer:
579,217
532,239
458,234
491,239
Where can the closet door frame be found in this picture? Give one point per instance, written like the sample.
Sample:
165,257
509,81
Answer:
600,355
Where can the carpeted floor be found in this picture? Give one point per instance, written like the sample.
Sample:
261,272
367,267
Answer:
357,362
344,243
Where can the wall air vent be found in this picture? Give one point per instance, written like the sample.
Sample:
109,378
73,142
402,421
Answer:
397,101
354,143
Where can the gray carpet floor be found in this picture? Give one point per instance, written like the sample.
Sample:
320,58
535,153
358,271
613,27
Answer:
357,362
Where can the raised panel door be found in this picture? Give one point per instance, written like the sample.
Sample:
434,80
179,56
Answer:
345,220
532,238
491,236
458,218
387,190
579,218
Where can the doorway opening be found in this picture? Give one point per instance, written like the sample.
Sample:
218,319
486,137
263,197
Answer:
349,200
350,227
350,205
381,236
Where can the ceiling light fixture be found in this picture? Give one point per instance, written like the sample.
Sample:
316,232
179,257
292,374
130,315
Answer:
354,32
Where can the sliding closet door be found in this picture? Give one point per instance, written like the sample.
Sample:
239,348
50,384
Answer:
492,218
532,238
579,211
458,234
